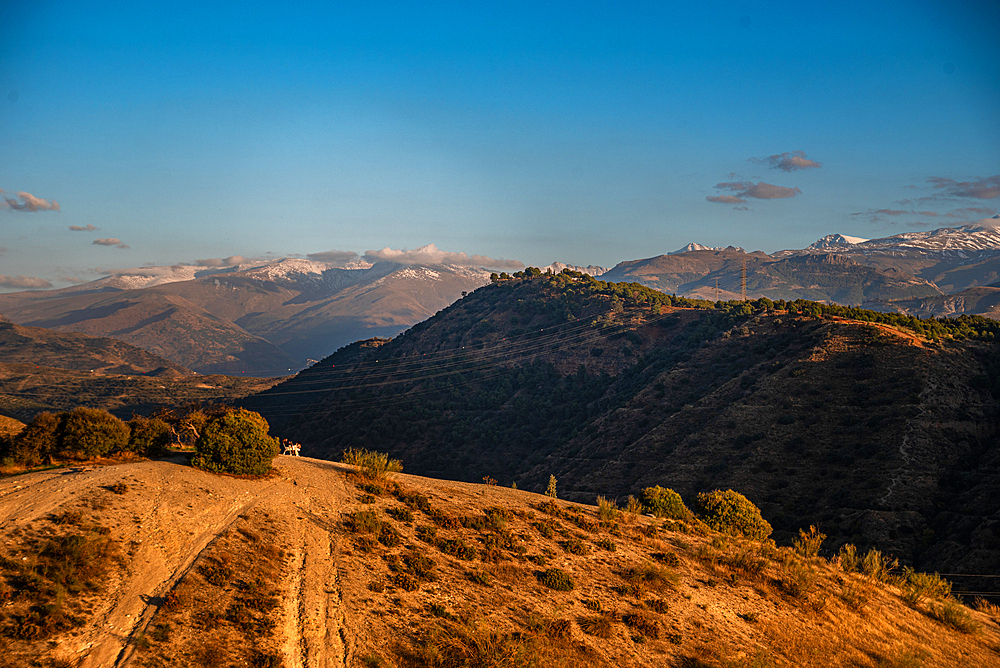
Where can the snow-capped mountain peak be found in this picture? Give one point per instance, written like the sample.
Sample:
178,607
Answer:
835,241
699,247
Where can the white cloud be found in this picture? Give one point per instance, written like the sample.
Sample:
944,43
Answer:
23,201
430,254
23,282
117,243
788,162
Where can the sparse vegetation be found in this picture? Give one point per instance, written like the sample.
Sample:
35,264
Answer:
599,626
808,543
918,586
373,466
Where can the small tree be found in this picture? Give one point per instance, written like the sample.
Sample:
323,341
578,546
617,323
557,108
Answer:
731,512
92,432
37,441
236,442
551,489
147,435
664,502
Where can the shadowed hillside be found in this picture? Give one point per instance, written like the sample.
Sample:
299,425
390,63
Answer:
870,430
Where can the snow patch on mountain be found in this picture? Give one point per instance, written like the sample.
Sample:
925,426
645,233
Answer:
835,241
699,247
590,270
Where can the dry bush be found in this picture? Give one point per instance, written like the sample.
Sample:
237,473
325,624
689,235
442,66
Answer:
607,510
808,543
657,605
847,557
877,566
955,615
648,577
643,623
798,578
599,626
574,546
918,586
373,466
471,644
855,594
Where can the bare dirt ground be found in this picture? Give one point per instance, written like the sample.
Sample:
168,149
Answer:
222,571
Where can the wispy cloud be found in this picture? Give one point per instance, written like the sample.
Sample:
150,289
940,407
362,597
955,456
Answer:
82,228
968,213
230,261
430,254
23,201
987,188
117,243
744,189
333,256
725,199
23,282
788,162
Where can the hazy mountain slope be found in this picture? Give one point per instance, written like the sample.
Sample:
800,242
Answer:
818,420
264,320
669,272
35,345
983,301
163,323
823,277
178,567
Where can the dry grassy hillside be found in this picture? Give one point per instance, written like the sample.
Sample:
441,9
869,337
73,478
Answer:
155,563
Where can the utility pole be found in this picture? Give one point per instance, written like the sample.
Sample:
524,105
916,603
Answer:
743,281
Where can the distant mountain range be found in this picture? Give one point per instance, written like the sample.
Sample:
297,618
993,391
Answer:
272,317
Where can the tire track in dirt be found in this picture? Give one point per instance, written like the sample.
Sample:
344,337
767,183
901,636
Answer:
153,600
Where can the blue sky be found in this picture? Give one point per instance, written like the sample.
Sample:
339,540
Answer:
586,133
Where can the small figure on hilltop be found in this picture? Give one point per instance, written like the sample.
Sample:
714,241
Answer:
290,448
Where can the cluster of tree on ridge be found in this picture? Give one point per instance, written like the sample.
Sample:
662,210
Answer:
636,295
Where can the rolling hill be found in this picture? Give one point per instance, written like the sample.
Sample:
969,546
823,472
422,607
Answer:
155,563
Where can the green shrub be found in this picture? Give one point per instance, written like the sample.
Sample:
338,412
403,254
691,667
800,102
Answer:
236,442
732,513
558,579
147,436
664,502
92,432
37,441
